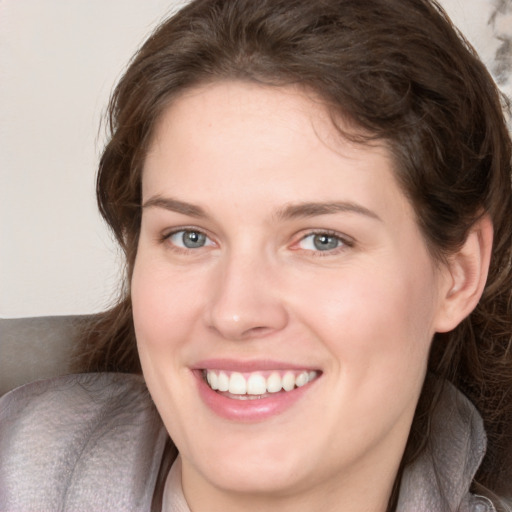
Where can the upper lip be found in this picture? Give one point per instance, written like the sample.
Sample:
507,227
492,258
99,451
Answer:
249,365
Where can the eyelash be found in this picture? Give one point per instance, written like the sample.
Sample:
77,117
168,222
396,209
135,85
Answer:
344,242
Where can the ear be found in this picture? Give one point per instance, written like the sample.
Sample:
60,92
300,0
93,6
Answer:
465,275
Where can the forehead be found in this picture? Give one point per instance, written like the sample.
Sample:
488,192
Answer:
241,140
215,109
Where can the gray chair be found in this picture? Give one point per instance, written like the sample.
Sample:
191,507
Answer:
36,348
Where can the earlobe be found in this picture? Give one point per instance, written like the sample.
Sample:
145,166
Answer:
466,275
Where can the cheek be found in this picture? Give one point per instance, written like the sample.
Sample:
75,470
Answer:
376,322
163,305
162,315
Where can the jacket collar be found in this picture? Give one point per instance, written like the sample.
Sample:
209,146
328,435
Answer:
440,478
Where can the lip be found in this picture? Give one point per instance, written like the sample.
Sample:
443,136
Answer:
249,411
248,366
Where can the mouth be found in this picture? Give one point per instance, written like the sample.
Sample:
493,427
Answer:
256,385
254,391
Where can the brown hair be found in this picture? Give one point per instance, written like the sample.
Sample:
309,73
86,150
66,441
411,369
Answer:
400,71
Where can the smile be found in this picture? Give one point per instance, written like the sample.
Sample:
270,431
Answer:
256,385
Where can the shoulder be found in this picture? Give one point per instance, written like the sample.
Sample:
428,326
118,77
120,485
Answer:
81,442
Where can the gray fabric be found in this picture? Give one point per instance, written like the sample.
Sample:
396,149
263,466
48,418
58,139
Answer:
79,443
95,443
440,478
36,348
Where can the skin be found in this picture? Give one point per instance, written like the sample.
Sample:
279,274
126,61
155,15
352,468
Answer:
363,313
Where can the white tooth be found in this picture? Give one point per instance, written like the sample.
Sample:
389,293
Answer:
288,381
311,375
237,384
212,379
301,379
223,382
256,385
274,383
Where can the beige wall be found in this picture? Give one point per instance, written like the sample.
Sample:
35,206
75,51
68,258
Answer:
58,61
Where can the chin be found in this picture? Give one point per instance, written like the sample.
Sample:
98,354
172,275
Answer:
255,477
249,467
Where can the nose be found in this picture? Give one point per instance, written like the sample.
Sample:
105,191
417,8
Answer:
245,300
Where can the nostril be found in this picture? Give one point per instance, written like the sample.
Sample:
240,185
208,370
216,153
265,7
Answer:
240,333
256,332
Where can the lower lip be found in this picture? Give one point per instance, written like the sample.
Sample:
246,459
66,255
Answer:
249,410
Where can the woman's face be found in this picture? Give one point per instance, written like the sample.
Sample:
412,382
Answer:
274,253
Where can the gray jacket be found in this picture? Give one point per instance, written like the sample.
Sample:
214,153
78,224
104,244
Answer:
95,442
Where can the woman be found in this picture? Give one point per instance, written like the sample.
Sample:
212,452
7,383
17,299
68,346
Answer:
314,200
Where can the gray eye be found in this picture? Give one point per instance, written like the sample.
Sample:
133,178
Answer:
193,239
320,242
325,242
189,239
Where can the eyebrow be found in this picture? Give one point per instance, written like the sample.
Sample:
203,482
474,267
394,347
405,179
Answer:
289,212
302,210
173,205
